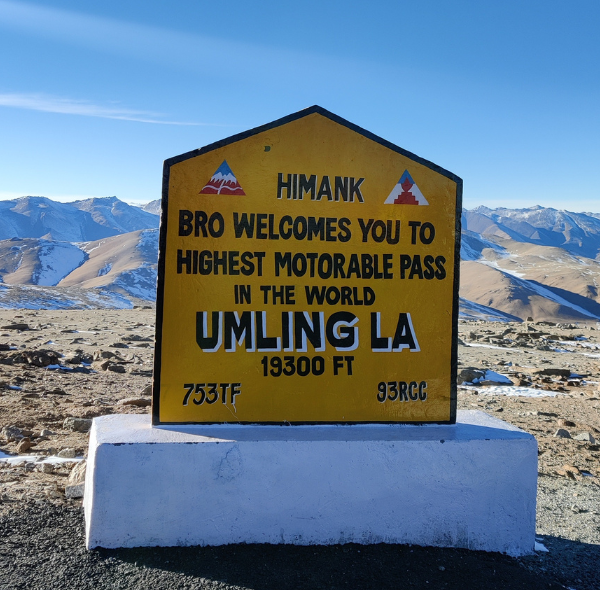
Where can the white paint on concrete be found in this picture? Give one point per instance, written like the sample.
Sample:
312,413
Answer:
471,484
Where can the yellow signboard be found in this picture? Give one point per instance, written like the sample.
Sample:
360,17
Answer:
308,273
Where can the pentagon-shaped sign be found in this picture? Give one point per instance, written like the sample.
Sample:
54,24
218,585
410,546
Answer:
308,273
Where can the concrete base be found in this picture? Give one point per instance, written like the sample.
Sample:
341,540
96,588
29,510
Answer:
472,484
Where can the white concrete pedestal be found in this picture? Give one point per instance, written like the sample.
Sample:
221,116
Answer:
472,484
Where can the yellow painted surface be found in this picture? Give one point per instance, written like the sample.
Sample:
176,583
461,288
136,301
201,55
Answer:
310,145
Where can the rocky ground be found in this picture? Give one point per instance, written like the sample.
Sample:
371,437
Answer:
59,369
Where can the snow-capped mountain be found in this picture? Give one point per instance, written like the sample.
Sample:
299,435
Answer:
80,221
152,207
578,233
117,216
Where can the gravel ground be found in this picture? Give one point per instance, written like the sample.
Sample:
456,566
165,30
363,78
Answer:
41,532
43,550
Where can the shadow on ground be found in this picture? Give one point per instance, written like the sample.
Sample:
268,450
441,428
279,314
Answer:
573,564
268,567
42,548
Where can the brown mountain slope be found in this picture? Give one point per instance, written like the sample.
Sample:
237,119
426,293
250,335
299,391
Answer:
551,266
489,286
107,259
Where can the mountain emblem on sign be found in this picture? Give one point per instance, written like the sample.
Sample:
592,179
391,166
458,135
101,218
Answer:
223,182
406,192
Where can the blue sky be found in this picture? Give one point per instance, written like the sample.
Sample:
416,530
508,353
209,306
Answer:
94,96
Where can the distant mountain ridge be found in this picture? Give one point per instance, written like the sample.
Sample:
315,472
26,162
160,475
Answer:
578,233
79,221
152,207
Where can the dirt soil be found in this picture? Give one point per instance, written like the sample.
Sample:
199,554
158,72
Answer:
60,365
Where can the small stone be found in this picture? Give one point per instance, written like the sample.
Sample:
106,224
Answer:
77,424
442,568
75,491
586,437
67,454
46,432
77,474
118,345
19,327
562,433
103,354
41,357
552,372
147,390
135,338
565,423
46,467
57,391
116,368
469,374
73,359
101,365
135,401
566,473
12,433
24,445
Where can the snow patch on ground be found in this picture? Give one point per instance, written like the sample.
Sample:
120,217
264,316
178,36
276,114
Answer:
105,269
540,547
140,282
57,260
473,244
491,346
148,244
494,264
35,297
19,459
469,310
511,391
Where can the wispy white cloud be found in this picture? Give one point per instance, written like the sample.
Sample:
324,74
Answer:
69,106
177,49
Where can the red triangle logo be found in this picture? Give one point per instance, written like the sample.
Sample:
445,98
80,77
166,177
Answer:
223,182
